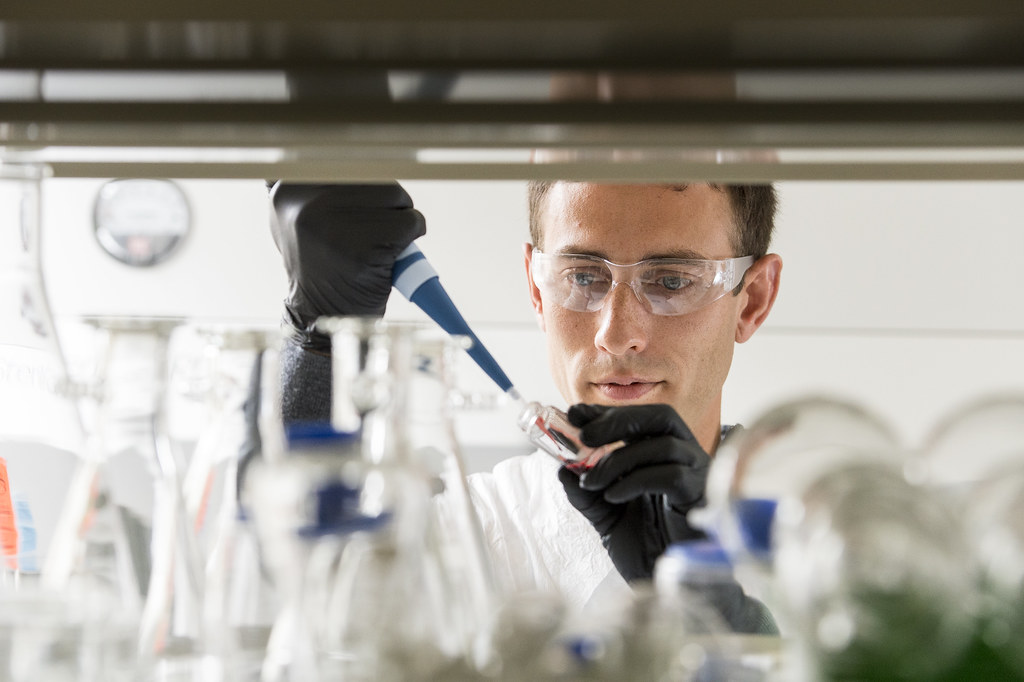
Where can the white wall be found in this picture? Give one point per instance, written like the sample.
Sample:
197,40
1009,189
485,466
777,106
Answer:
227,268
899,295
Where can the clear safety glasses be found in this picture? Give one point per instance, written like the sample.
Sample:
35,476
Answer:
665,286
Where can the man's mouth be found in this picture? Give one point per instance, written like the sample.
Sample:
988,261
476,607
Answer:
625,389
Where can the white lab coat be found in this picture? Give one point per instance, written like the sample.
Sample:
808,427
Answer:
537,540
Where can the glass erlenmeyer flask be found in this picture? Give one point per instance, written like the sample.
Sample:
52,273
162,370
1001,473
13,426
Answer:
219,370
974,458
415,597
876,576
139,484
239,369
40,432
469,577
776,456
757,469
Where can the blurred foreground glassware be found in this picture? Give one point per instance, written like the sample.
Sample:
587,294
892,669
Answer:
40,431
695,583
875,576
972,443
234,369
777,456
305,502
128,433
757,468
44,633
974,458
415,598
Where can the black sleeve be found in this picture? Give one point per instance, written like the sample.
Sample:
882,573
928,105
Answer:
740,611
305,384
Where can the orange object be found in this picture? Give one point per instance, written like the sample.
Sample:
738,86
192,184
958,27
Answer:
8,521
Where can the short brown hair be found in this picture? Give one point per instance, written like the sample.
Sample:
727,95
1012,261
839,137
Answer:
753,205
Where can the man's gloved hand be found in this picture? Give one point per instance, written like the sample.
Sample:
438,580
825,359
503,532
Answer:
637,496
339,244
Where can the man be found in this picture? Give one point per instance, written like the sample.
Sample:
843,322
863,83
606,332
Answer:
640,353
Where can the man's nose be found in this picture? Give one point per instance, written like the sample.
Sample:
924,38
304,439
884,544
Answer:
624,322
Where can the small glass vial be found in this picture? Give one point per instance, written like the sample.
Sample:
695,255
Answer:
549,429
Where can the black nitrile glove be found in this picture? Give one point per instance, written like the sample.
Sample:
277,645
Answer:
339,244
637,497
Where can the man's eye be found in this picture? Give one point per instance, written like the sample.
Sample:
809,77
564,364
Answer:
674,282
585,278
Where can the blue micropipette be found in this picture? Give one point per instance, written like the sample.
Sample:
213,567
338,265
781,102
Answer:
417,280
546,427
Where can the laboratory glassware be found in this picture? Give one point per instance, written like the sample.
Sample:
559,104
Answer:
548,428
221,376
129,433
40,432
974,457
44,633
304,502
874,575
416,596
785,448
232,370
756,468
971,443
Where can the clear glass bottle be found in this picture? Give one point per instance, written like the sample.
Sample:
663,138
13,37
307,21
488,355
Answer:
305,503
473,595
549,429
695,585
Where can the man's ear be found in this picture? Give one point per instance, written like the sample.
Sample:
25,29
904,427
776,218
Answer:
535,300
760,288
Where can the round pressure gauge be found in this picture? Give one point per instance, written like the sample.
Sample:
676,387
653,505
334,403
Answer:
141,222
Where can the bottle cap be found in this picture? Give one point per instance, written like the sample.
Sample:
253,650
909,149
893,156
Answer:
317,434
696,561
754,517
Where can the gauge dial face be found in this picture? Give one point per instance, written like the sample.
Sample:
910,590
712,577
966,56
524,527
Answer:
141,222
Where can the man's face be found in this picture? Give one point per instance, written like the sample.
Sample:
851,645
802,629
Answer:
623,354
